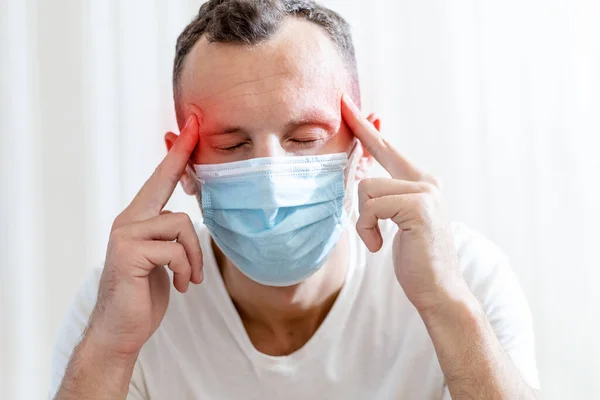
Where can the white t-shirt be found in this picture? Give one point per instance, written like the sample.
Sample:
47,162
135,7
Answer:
371,345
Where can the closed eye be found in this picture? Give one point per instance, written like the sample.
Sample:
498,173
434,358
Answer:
305,142
232,148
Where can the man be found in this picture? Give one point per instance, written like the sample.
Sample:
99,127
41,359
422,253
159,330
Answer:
290,301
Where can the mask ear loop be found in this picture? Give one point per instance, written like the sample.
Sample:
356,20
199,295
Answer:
351,191
197,184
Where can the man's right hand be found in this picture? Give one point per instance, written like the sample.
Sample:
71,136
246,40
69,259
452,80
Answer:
133,293
134,288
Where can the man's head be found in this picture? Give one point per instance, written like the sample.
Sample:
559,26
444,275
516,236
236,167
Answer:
266,78
251,22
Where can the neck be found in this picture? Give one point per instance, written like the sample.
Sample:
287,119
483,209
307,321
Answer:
285,316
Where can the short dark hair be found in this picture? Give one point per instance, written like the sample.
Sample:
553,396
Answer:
249,22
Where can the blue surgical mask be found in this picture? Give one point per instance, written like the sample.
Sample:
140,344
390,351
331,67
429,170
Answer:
277,218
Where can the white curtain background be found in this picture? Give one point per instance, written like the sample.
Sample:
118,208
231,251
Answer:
500,99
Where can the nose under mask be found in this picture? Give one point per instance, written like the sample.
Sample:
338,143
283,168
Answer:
278,218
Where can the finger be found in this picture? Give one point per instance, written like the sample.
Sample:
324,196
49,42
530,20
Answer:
399,208
170,254
157,190
385,154
375,121
172,226
370,188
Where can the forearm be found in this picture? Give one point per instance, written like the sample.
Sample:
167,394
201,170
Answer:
93,373
473,361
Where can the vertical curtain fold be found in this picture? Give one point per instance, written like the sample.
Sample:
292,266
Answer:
500,99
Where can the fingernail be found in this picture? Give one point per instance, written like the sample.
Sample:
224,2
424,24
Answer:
350,102
188,122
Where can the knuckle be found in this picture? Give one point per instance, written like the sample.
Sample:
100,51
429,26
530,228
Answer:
361,223
119,248
197,251
364,185
434,181
117,235
119,221
429,188
369,206
180,253
425,208
182,218
358,224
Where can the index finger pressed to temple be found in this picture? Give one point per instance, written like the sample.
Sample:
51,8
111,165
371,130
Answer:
385,154
157,190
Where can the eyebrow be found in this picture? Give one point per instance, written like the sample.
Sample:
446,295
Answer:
232,129
325,121
229,129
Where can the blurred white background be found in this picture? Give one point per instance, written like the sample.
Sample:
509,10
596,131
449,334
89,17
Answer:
500,99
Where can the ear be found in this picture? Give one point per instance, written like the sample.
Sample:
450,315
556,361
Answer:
364,165
374,119
187,182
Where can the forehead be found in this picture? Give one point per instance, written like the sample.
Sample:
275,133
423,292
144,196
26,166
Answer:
299,68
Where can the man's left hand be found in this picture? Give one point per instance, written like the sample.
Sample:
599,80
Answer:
424,254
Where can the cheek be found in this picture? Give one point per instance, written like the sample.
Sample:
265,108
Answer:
342,142
196,156
203,154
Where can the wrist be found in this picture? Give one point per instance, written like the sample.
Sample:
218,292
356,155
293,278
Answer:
96,348
456,303
95,372
115,343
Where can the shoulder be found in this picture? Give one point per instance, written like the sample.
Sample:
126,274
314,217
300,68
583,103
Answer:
82,305
484,266
472,246
73,326
488,273
482,263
